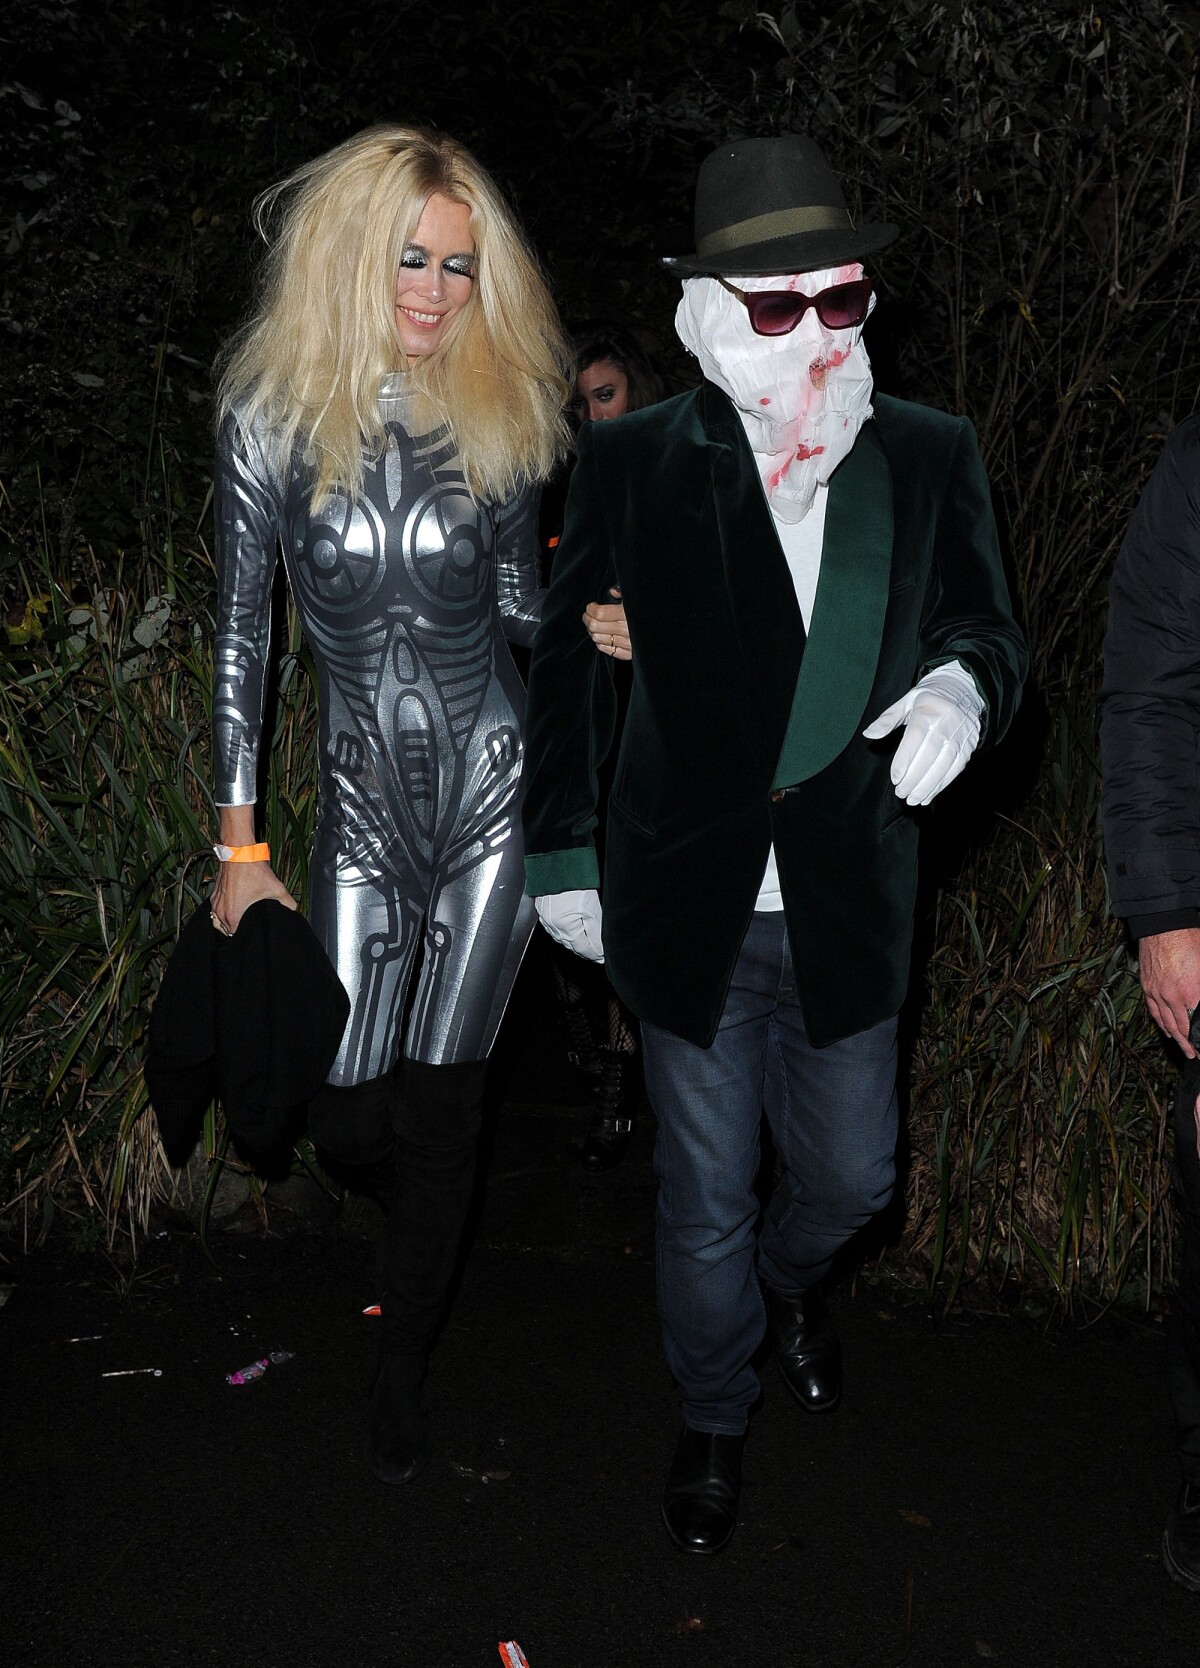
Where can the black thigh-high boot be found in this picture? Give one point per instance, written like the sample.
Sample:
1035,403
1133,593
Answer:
351,1128
438,1112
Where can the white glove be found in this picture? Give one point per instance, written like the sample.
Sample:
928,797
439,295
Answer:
941,717
573,919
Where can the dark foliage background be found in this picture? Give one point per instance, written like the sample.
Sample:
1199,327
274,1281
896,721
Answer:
1040,160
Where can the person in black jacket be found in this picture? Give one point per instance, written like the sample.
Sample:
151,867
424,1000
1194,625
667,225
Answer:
808,567
1150,737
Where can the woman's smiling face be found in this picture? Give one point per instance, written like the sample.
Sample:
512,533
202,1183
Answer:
437,275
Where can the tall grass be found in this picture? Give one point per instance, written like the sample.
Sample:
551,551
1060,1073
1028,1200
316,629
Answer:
106,849
1036,1132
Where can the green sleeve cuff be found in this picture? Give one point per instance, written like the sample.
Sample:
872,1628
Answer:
562,871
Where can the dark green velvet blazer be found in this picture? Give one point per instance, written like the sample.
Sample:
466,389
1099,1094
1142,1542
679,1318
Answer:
739,731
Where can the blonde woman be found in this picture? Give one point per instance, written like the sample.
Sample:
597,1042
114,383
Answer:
386,418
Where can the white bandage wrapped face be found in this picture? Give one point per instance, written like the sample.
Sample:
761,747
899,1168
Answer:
804,395
942,715
573,919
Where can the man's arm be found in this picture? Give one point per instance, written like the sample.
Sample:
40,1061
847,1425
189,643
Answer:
972,657
1169,965
571,706
968,613
1150,735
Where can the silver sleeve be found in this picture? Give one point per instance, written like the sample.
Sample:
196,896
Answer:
519,590
247,533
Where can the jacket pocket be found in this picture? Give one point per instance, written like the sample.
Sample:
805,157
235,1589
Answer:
633,818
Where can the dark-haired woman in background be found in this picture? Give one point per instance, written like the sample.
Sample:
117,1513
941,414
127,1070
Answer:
613,373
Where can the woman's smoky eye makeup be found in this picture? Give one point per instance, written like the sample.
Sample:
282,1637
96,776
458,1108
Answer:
581,404
458,266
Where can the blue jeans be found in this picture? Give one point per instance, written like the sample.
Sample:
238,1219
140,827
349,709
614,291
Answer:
832,1115
1183,1346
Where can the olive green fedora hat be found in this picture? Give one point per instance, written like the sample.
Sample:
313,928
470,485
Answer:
773,205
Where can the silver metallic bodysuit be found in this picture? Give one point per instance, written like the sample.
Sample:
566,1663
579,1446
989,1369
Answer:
405,596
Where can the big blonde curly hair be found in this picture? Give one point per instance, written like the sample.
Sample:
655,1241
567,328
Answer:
308,364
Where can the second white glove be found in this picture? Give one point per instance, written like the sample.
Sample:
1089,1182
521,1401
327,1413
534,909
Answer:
942,715
573,919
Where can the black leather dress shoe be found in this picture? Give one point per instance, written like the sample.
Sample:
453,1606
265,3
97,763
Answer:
397,1419
1181,1542
700,1501
807,1351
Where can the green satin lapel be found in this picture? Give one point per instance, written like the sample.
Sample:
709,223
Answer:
846,630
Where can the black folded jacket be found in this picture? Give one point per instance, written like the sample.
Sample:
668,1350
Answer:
254,1020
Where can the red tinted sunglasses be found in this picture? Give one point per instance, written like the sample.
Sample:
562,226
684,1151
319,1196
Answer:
778,312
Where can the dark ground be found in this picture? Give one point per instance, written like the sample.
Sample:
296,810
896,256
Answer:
988,1492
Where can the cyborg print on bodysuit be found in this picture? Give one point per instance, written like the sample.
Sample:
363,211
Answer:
406,596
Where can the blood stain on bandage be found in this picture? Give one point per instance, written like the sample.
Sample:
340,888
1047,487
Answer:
818,371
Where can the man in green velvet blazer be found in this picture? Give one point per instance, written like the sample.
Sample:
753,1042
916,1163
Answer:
797,566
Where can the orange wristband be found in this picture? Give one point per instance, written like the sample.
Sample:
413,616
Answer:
260,853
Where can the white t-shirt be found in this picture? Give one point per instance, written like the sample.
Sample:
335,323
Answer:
801,541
